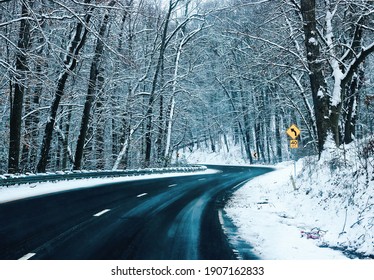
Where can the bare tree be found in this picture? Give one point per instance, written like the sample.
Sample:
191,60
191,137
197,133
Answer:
94,71
19,89
70,62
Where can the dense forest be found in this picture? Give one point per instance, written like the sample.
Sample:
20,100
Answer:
116,84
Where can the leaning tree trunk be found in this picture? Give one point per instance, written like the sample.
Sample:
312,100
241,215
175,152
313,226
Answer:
149,114
90,97
70,63
171,105
353,88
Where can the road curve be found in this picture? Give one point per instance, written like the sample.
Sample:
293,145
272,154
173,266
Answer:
168,218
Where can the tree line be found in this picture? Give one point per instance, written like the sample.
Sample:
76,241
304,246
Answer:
108,84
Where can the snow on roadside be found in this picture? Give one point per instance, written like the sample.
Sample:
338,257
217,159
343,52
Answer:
332,195
261,213
16,192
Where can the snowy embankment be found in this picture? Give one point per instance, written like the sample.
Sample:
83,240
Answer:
200,156
330,204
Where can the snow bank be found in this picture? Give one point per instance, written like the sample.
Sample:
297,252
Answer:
334,194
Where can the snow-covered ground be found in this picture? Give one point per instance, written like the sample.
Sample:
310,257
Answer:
270,216
329,205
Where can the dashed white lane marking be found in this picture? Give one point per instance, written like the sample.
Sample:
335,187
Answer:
202,179
101,213
172,185
220,217
143,194
27,256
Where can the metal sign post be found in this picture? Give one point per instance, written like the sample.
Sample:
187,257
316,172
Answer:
294,132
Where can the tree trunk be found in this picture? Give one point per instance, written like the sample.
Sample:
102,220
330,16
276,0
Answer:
90,97
160,142
278,138
67,155
25,165
321,99
354,85
351,107
70,63
247,129
19,88
149,114
100,123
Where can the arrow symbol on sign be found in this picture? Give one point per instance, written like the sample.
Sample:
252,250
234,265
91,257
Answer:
294,131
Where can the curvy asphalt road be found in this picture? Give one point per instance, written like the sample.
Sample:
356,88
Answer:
167,218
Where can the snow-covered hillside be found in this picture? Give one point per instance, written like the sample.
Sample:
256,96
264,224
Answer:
330,204
233,156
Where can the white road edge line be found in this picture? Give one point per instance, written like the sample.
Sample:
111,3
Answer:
27,256
173,185
101,213
143,194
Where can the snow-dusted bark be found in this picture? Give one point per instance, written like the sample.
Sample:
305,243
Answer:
70,61
172,102
91,91
337,73
125,147
170,117
165,40
321,98
16,109
347,78
329,103
159,65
